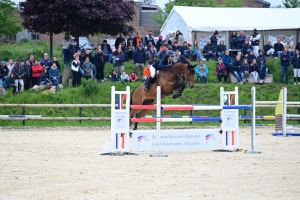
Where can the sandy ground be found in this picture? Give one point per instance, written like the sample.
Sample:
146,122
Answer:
65,163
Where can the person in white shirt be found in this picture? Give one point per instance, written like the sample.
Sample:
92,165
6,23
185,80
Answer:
254,39
65,47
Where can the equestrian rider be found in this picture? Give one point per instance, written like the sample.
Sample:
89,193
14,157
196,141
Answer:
165,62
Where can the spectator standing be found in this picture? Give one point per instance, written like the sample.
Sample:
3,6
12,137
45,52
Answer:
290,47
76,71
237,69
87,54
54,75
278,47
56,62
296,64
196,51
124,77
221,49
298,46
246,69
129,39
9,82
114,76
100,63
285,62
159,43
179,37
65,46
31,60
202,72
19,72
146,73
227,62
46,62
87,68
255,38
130,50
27,75
241,40
73,47
221,71
4,72
120,59
10,66
214,39
185,50
234,40
177,56
151,55
254,70
149,38
169,41
133,76
106,49
251,56
262,69
119,40
209,51
37,70
137,40
139,59
246,48
268,48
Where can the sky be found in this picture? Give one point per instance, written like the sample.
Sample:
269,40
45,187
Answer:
162,3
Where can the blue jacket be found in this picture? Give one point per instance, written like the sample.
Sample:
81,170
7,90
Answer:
237,66
250,58
9,82
164,63
226,60
241,41
121,60
44,77
139,56
54,73
109,51
296,62
198,72
46,63
174,48
267,47
245,49
285,62
261,68
161,54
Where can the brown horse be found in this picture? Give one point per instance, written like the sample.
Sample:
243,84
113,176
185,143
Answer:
169,80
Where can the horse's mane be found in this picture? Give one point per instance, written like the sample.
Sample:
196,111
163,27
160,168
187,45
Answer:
183,59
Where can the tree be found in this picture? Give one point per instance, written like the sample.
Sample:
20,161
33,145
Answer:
79,17
148,2
291,3
10,22
232,3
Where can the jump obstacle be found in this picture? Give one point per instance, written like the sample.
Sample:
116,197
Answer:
205,138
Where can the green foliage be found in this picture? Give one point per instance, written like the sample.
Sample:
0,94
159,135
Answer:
232,3
90,86
291,3
10,22
24,40
211,3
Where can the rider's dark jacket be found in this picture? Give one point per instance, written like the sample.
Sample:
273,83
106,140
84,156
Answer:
164,63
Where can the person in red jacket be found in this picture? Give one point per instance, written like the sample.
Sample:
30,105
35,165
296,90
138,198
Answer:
37,70
221,71
133,77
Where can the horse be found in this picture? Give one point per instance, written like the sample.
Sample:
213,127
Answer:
168,79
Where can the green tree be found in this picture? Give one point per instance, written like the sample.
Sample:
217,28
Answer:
291,3
162,14
10,22
232,3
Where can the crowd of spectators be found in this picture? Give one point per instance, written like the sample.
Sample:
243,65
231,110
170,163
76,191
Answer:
145,51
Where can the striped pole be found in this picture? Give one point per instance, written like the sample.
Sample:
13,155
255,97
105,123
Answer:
211,119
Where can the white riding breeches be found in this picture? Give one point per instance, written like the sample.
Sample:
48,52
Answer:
152,71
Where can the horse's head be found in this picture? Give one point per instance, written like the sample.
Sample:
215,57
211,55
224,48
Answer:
187,70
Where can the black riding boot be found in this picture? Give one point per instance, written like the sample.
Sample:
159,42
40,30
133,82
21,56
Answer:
148,83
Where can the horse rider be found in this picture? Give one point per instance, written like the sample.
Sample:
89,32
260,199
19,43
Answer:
165,62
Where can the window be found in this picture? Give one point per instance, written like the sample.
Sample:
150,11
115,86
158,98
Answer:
146,13
35,36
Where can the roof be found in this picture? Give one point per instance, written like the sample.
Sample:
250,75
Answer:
230,19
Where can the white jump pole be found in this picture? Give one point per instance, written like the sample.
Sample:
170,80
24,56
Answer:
253,127
158,118
284,111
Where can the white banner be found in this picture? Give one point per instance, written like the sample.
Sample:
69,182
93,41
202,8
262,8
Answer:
185,139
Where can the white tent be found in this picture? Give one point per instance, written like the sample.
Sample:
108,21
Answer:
199,23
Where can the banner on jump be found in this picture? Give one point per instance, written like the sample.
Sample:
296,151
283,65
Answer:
187,139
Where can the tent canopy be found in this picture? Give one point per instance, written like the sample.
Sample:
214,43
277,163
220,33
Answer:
230,19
